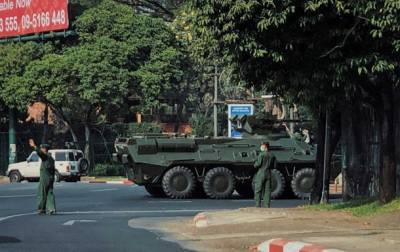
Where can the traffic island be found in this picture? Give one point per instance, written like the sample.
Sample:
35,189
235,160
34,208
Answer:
254,229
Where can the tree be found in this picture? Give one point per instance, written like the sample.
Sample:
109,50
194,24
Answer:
158,8
317,53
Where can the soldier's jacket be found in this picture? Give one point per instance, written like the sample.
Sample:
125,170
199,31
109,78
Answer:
265,163
47,168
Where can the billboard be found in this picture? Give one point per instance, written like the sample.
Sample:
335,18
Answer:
21,17
238,110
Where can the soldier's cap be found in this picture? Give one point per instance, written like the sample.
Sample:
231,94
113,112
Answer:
45,146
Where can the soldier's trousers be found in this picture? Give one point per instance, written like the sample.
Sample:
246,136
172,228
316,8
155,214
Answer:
262,189
46,199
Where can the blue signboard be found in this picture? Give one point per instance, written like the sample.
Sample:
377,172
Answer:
238,110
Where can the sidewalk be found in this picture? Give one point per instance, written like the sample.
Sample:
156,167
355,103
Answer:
245,229
4,180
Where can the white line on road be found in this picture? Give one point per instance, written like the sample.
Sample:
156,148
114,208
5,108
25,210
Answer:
18,196
115,212
169,201
136,211
15,216
72,222
105,190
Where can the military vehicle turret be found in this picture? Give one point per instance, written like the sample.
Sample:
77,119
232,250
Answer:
183,167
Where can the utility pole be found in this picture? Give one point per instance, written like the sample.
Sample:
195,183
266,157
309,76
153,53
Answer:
325,181
12,151
216,101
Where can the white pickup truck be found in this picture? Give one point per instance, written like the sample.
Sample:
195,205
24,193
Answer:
70,165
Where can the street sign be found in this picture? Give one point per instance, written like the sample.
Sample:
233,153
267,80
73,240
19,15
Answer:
21,17
238,110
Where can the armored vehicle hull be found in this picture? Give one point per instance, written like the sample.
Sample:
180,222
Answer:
189,167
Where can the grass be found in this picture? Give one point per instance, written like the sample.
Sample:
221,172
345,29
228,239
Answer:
360,207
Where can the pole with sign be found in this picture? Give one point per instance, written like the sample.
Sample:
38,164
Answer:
238,110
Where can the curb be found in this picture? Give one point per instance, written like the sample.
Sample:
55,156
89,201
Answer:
282,245
4,180
200,220
123,182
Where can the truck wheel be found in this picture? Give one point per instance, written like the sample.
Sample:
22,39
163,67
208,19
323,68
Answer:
278,184
179,183
245,190
83,166
15,177
303,182
219,183
57,177
155,190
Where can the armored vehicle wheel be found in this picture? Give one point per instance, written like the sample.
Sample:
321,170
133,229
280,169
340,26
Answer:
303,182
219,183
155,190
245,190
179,183
278,184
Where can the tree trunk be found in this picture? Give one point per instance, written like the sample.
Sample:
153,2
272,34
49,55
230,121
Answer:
358,150
179,112
387,171
88,147
397,137
319,165
45,124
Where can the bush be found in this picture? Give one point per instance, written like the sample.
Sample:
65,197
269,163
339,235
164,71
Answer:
202,125
130,129
108,170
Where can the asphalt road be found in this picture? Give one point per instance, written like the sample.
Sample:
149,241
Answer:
94,217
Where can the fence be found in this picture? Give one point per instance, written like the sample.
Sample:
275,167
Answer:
102,144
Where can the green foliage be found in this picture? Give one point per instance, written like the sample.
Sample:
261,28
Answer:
313,53
131,129
108,170
202,125
15,60
360,207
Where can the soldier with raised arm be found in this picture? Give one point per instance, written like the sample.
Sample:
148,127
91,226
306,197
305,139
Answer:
46,199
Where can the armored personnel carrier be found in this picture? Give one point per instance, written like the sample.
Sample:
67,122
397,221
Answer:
184,167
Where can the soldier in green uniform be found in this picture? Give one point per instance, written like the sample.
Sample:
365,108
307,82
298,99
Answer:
46,200
265,163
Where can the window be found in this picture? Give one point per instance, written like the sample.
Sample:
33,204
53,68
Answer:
71,156
33,157
61,156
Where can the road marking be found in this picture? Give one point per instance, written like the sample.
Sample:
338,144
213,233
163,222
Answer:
15,216
72,222
169,201
115,212
136,211
19,196
105,190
